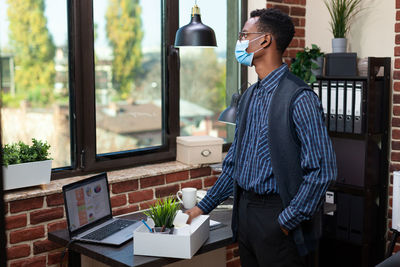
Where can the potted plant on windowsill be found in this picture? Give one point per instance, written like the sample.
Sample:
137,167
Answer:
341,12
163,213
25,165
308,64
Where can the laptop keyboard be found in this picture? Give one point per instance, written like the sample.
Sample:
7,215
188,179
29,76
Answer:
109,229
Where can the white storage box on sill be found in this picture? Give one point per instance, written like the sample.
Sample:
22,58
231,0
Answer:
182,246
199,149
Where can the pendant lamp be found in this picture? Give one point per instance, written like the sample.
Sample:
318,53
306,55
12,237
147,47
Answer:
229,114
195,33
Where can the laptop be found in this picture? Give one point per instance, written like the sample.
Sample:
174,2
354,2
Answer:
89,216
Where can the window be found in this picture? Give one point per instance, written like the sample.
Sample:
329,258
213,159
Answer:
101,84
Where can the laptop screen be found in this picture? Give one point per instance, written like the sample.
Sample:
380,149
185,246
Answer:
87,201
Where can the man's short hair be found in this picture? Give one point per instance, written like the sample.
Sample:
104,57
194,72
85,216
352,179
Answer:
279,24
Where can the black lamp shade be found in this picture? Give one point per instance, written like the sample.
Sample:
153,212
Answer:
229,114
195,34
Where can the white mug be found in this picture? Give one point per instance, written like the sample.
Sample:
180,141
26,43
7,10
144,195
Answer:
188,197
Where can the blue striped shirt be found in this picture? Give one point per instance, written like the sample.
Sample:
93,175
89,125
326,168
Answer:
254,172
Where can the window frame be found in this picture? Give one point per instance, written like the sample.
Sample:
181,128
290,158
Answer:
84,159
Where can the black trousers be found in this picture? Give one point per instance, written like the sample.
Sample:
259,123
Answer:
261,241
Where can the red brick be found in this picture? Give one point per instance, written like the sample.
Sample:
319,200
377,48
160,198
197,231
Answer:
195,183
55,200
201,172
297,11
51,227
210,181
18,252
294,43
31,262
397,4
26,204
396,86
299,32
395,134
284,9
43,246
125,210
397,62
177,176
6,208
277,1
302,22
394,167
234,263
152,181
140,196
390,190
397,39
167,191
215,172
125,186
397,27
397,51
395,156
147,204
118,201
396,110
395,145
26,234
54,258
269,5
302,43
293,52
396,98
229,254
46,215
297,2
16,221
397,15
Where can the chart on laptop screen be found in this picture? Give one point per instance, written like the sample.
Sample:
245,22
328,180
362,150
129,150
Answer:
87,203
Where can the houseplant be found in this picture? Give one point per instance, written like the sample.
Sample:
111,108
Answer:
341,12
308,64
163,213
25,165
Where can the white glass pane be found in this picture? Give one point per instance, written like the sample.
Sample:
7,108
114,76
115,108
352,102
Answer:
128,74
34,76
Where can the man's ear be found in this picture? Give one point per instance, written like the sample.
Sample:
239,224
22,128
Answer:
268,40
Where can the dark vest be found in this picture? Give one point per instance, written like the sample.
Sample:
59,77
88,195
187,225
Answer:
285,155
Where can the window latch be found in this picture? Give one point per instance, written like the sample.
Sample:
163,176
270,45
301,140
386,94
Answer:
82,163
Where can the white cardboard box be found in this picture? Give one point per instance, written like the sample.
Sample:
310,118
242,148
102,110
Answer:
182,246
199,149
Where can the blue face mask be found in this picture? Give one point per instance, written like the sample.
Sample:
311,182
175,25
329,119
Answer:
241,54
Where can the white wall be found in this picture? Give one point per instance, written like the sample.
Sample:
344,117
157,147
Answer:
371,33
252,5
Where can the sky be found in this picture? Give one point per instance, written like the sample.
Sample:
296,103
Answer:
56,13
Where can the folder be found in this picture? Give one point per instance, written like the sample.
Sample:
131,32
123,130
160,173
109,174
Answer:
340,119
348,127
315,87
332,106
358,108
324,99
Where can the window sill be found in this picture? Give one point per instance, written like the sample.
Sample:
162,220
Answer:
113,177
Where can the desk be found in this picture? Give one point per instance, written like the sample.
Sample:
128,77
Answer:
123,255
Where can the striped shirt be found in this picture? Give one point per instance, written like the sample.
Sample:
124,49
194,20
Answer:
254,172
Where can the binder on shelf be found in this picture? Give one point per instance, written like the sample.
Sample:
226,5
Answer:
333,103
348,128
358,108
324,99
315,87
340,119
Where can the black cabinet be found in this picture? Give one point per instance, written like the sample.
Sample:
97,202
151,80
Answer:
357,117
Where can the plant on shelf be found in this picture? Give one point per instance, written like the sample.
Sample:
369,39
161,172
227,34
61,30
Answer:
308,64
341,12
26,165
163,214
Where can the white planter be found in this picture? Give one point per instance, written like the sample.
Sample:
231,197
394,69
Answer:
339,45
26,174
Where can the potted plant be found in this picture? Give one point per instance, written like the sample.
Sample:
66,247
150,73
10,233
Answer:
163,214
25,165
308,64
341,12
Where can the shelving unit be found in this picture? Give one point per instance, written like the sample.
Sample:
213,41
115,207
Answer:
355,234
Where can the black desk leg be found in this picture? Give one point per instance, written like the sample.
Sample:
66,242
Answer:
74,259
392,243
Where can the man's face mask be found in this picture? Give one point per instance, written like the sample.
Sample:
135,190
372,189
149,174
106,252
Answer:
241,54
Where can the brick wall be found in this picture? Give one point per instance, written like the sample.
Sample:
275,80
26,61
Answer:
28,221
395,152
297,10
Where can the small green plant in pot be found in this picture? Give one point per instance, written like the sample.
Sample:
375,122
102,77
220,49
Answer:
308,64
163,214
26,165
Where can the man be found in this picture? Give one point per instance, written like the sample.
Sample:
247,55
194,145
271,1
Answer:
281,161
